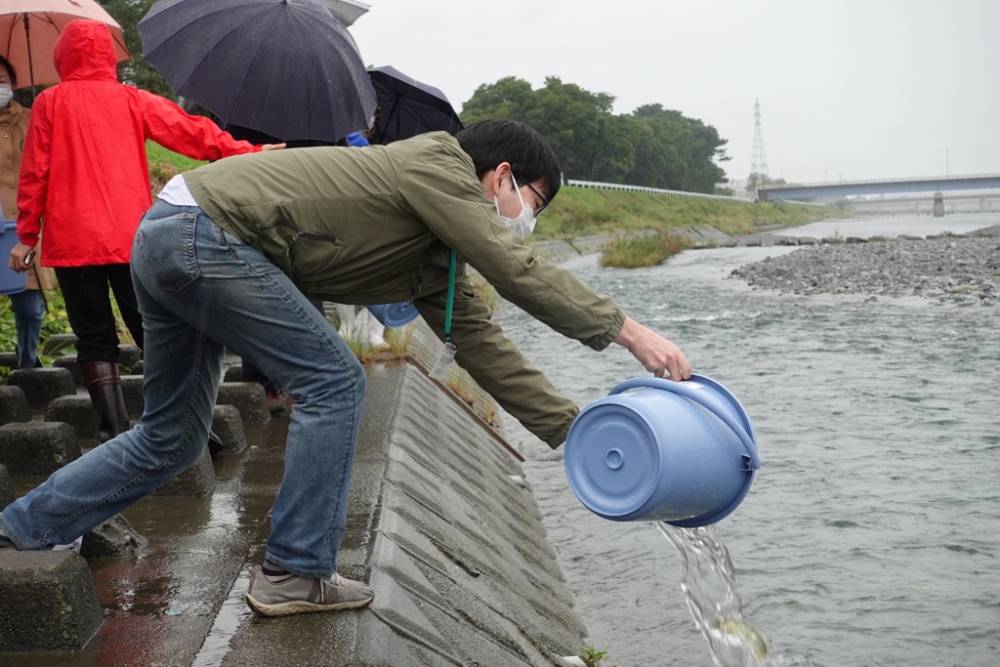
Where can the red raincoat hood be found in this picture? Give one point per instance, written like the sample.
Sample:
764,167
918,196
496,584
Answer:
85,51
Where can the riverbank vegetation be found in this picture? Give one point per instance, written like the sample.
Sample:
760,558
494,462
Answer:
584,212
634,252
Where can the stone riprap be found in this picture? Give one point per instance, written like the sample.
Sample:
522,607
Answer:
556,252
958,269
586,245
248,398
198,480
48,601
77,411
41,385
228,425
37,448
453,547
13,405
8,360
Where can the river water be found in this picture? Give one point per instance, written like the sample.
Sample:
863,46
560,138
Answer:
872,533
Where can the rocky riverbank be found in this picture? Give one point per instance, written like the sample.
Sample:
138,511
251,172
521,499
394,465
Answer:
956,269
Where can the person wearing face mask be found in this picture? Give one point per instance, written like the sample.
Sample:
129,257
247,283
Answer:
224,258
28,306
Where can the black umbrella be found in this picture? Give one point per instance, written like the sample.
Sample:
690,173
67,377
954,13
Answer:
284,67
407,107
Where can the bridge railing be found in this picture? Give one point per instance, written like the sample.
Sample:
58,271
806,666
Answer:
597,185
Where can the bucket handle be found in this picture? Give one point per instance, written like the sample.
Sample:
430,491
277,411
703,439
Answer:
704,400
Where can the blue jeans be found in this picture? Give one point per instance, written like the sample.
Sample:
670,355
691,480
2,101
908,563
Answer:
200,289
29,315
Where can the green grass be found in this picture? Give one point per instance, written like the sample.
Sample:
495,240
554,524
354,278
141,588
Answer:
633,252
583,212
164,164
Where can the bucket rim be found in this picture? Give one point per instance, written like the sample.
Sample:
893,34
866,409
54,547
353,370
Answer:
743,431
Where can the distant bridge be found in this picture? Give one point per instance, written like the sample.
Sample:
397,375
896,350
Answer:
843,189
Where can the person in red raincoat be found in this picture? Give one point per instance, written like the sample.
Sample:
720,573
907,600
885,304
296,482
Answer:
85,181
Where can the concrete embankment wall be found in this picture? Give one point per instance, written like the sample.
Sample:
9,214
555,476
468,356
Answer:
440,523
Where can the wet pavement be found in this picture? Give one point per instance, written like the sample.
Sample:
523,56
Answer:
160,607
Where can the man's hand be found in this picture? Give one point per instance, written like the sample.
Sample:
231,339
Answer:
17,256
657,354
272,147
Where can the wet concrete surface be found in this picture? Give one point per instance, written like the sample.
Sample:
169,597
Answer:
160,606
456,581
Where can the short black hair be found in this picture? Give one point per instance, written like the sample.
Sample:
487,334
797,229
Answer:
491,142
10,71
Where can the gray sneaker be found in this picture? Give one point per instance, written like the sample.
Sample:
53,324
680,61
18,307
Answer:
288,594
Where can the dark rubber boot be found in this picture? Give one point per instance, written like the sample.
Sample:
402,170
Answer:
105,387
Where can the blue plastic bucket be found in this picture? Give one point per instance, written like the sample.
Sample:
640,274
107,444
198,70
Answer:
11,282
657,450
394,314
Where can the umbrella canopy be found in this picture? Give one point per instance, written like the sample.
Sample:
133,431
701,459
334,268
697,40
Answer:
29,30
287,68
407,107
347,11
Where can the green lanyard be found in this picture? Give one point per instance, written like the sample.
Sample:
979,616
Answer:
449,308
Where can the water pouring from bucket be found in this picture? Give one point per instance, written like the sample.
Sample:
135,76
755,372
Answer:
658,450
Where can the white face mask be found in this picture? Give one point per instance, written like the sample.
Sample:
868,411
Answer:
6,94
524,223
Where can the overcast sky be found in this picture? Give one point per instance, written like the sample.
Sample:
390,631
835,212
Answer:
848,88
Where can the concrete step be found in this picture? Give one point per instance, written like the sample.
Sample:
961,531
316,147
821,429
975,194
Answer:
49,601
248,398
41,385
198,480
37,448
13,405
227,423
77,411
6,493
69,362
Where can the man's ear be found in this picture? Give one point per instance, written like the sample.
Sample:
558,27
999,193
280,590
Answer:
500,176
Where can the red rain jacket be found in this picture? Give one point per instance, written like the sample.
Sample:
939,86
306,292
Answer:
84,175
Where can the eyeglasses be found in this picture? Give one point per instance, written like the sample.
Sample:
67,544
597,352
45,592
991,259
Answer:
543,198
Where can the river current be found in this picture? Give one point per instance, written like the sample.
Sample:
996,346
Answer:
872,533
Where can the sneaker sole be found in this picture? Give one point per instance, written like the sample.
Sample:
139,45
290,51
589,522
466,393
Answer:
301,607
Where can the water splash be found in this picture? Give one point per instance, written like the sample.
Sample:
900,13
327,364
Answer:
709,586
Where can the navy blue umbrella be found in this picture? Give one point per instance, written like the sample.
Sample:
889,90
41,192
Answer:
407,107
287,68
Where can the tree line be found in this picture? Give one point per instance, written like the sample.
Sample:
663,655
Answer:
652,146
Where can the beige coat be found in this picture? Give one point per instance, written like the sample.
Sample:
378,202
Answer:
13,128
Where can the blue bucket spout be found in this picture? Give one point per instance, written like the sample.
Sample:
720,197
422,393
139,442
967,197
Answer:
394,314
658,450
11,282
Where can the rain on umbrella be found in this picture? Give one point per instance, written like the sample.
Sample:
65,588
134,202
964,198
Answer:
287,68
29,30
407,107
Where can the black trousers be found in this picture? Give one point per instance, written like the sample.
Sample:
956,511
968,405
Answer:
88,305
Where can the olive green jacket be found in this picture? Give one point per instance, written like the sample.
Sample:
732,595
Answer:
374,225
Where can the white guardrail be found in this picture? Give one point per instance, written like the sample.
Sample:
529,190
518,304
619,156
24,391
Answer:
595,185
